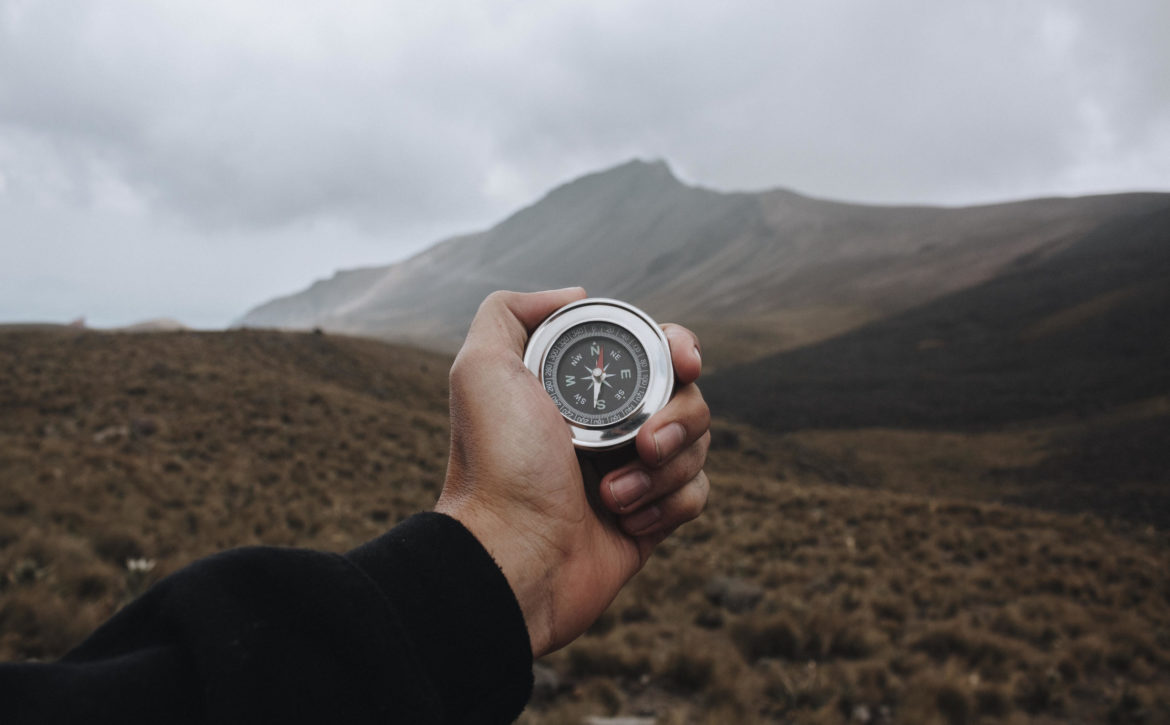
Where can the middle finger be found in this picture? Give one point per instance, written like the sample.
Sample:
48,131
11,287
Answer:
636,485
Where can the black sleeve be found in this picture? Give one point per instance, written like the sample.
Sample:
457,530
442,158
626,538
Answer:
416,626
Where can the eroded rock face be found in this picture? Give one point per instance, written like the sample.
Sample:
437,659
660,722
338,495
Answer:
733,594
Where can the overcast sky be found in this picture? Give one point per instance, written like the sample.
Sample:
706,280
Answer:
192,159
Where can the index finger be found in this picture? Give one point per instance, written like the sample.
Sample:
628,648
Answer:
505,319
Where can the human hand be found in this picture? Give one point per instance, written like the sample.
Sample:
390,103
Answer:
514,481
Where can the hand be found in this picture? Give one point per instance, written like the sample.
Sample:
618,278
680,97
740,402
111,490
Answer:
513,478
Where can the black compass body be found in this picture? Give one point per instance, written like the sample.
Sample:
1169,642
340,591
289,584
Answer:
606,365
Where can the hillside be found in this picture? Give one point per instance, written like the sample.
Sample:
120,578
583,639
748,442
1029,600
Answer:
756,272
1077,333
792,598
172,446
1069,353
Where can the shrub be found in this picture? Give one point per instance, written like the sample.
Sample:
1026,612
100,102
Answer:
767,637
992,702
687,672
709,619
978,649
895,610
953,703
40,624
116,547
635,613
588,658
1034,694
854,641
1130,706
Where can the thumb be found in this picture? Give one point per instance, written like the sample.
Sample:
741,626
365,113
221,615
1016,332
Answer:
506,318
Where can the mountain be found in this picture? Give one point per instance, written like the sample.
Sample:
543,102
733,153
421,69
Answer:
1075,333
755,273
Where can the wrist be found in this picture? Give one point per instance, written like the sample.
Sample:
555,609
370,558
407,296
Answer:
526,566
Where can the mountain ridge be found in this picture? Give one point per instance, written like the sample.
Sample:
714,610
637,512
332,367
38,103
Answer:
755,260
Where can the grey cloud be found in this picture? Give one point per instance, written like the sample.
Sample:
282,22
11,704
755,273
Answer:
232,121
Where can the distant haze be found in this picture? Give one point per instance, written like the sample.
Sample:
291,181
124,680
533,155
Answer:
192,159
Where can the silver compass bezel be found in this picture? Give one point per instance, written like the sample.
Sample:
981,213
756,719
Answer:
648,334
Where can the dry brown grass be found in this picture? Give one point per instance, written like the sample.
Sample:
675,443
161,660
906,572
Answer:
1112,464
872,606
171,446
892,608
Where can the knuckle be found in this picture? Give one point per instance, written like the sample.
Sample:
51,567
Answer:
499,297
471,364
460,369
691,393
684,335
702,490
704,413
681,470
704,443
498,300
695,410
694,498
456,374
491,305
698,392
698,457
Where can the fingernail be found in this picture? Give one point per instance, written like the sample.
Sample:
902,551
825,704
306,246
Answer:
668,439
644,519
698,356
629,487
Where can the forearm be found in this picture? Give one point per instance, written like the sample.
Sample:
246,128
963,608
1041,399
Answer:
416,626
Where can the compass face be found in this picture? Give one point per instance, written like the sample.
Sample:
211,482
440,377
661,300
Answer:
606,365
597,372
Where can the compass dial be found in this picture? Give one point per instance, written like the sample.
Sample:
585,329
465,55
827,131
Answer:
606,365
597,372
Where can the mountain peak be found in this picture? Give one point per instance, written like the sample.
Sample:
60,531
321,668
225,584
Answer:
645,165
657,169
635,173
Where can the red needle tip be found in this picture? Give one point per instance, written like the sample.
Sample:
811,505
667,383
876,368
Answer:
600,354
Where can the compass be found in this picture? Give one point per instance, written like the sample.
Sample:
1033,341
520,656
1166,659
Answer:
606,365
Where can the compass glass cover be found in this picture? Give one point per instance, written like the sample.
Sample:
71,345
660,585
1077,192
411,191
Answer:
597,373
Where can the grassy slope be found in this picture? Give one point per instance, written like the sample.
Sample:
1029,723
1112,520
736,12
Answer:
904,607
1046,386
175,445
1077,333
